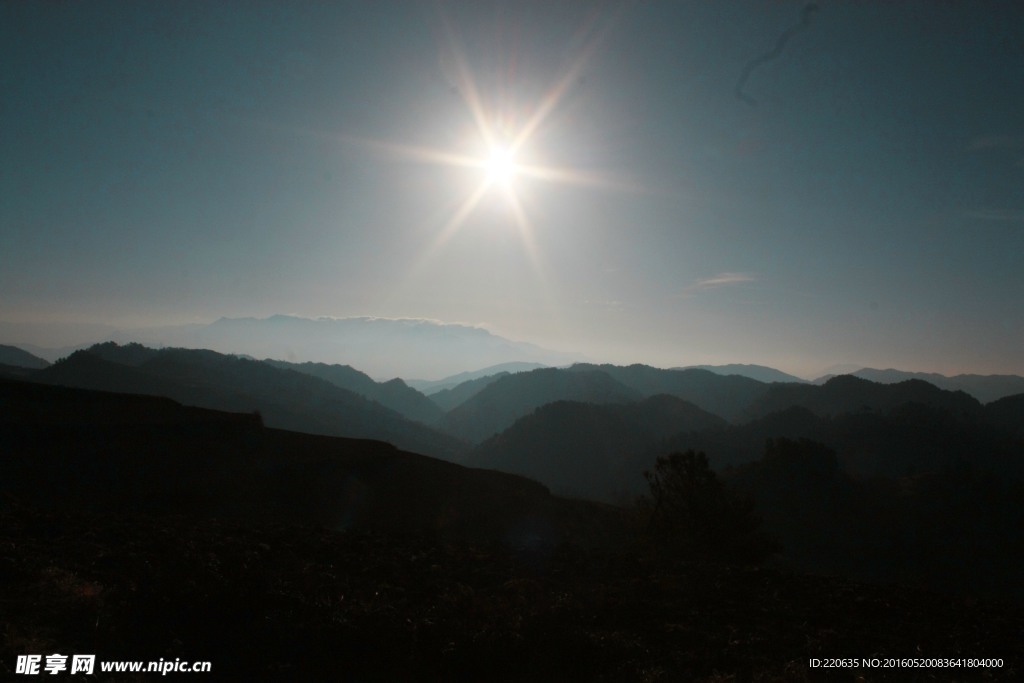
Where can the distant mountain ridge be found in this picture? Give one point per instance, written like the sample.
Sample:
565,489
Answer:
431,387
985,388
19,358
594,448
852,394
759,372
501,403
449,399
286,399
394,394
724,395
380,347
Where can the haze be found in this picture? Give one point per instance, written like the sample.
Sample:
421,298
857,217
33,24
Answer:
681,183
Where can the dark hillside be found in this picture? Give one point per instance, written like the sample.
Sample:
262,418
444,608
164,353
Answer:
451,398
908,440
501,403
985,388
286,399
849,394
132,354
958,530
85,450
394,394
19,358
16,371
724,395
759,372
87,370
590,450
1007,413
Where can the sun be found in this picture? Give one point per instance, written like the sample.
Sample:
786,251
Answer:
501,146
501,166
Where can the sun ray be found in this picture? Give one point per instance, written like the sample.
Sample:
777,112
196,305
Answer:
417,153
467,85
555,95
505,156
458,218
528,237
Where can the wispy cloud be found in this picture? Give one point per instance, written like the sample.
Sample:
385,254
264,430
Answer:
720,280
607,305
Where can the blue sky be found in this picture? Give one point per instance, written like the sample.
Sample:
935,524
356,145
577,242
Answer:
178,162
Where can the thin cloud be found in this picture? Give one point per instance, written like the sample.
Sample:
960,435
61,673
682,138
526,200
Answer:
720,280
613,305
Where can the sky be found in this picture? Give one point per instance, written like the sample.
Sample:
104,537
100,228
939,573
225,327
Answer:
683,182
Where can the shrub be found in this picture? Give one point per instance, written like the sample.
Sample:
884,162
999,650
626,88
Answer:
690,513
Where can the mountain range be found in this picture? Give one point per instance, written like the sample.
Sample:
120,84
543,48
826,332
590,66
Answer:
381,347
394,394
84,451
985,388
590,450
882,459
759,372
13,356
286,399
135,524
413,349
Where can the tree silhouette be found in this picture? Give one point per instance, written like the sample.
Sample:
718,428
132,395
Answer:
691,513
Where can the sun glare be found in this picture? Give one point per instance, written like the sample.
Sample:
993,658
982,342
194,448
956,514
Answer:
501,144
501,166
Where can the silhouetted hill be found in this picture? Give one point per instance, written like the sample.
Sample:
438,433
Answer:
17,372
399,396
849,394
286,399
955,530
1008,413
909,440
726,396
590,450
394,394
985,388
19,358
132,354
501,403
449,399
88,370
82,450
759,372
431,387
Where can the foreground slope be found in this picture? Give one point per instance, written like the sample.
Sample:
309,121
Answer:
85,450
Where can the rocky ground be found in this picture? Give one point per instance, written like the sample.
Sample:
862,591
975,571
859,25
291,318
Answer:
286,602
